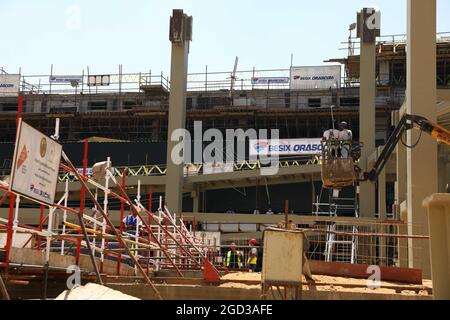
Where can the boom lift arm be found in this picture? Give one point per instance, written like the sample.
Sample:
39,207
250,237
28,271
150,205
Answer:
407,122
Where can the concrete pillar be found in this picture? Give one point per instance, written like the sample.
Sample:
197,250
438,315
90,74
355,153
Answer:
367,106
400,195
180,36
439,221
403,242
195,194
421,100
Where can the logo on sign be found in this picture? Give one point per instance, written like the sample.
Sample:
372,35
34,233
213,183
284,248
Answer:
39,192
261,146
23,156
43,147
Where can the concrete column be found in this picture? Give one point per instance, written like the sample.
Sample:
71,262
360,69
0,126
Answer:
403,242
400,195
367,110
421,100
439,221
177,107
195,194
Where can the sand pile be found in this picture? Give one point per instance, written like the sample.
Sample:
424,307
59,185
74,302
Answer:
338,284
93,291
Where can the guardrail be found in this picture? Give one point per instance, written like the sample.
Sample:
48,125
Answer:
193,169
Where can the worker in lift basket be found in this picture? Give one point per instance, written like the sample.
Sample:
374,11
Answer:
331,137
345,138
132,225
234,258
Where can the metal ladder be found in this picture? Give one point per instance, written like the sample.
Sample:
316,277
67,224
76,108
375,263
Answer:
340,248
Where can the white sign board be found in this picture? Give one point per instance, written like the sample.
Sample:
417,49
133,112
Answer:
65,79
36,165
284,147
212,168
9,85
270,80
323,77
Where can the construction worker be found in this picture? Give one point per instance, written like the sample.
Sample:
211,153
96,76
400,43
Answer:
234,258
252,259
132,225
331,137
345,138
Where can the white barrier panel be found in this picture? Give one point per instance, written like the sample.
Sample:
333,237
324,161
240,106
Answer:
229,227
251,227
285,147
212,227
322,77
36,165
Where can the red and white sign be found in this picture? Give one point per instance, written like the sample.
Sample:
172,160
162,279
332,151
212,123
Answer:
36,165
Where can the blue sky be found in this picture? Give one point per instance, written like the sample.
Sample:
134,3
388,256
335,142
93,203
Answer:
134,33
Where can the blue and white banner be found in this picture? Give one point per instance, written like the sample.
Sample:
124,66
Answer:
270,80
9,85
65,79
284,147
322,77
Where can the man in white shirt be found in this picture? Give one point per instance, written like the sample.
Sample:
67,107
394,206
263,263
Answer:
345,138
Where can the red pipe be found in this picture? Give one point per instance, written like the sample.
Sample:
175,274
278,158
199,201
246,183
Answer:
82,197
3,198
122,208
150,207
12,199
19,109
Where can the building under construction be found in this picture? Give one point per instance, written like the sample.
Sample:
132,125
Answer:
114,131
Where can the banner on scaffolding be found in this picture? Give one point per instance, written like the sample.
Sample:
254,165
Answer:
322,77
9,85
284,147
270,80
35,165
73,80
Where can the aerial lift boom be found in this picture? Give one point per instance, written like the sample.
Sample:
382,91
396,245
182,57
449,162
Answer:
407,122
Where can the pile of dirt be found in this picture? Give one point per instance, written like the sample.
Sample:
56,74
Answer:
93,291
337,284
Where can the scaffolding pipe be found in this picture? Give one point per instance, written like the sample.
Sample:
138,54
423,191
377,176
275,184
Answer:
118,236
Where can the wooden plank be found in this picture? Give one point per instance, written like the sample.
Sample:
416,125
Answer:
359,271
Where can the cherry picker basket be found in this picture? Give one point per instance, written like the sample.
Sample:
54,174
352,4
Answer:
337,172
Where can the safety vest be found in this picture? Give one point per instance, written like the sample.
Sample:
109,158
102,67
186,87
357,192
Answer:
238,253
252,260
346,137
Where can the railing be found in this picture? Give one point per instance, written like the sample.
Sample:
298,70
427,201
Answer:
133,82
194,169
